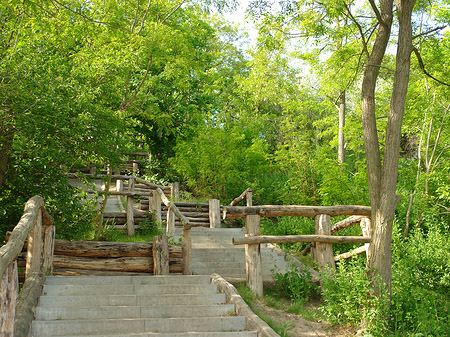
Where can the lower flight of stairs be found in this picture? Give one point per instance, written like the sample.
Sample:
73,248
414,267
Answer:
138,306
214,252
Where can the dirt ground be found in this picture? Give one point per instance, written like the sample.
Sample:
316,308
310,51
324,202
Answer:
297,326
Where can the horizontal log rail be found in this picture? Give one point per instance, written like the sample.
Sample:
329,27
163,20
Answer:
251,240
239,212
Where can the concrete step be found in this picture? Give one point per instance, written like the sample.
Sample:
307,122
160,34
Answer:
127,280
110,312
131,300
158,325
178,334
141,290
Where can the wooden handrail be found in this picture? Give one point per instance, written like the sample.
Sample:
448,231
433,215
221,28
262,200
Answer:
171,205
241,197
300,238
36,225
239,212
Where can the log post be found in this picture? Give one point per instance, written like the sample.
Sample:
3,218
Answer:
249,196
130,208
160,255
324,251
175,191
49,247
135,166
34,251
186,246
9,289
170,229
214,213
156,206
253,268
366,228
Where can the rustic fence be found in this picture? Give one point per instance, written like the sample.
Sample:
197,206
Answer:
323,250
35,227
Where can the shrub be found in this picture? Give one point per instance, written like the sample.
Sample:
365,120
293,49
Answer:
295,284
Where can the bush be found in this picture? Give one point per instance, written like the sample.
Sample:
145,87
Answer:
349,299
295,284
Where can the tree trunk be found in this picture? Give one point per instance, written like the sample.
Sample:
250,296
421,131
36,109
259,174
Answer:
6,142
341,138
383,178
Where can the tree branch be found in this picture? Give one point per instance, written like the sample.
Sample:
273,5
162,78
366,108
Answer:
145,16
172,11
422,67
135,17
429,31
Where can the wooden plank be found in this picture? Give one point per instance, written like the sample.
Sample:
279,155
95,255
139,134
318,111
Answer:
253,265
127,264
300,238
239,212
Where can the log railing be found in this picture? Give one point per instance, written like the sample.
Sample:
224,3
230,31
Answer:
36,227
323,250
247,194
186,244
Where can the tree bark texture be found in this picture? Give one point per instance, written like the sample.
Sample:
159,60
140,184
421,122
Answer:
341,137
9,290
253,265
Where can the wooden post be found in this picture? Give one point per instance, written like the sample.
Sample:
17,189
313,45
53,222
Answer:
214,213
135,167
34,250
175,191
249,197
170,229
186,247
160,255
253,268
9,289
156,206
130,208
119,185
49,247
366,230
324,251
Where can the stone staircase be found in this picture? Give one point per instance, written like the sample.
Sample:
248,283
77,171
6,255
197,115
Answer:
214,252
138,306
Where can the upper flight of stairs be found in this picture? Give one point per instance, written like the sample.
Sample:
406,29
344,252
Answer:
138,306
214,252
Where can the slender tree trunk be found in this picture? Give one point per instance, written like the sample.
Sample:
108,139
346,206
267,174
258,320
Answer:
383,192
341,138
6,142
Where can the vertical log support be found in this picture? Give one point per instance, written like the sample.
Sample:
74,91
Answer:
170,229
34,250
249,197
49,247
130,208
186,246
156,207
324,251
214,213
175,191
366,230
253,268
9,289
160,255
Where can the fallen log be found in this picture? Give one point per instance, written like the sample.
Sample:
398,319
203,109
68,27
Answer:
350,254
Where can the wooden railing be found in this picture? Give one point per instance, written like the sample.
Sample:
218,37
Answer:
35,227
323,251
186,243
247,194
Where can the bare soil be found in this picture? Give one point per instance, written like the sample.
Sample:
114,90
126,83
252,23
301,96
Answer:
297,326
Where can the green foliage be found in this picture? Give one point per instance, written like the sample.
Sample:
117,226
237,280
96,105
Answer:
421,284
349,298
296,284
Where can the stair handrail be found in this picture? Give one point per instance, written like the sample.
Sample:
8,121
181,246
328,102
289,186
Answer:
186,243
36,226
247,194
